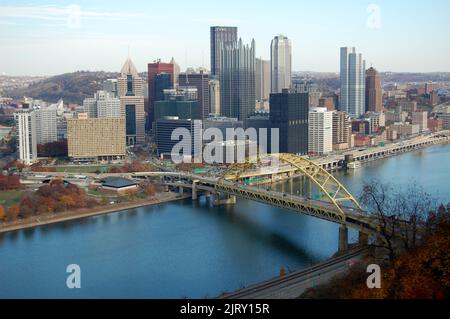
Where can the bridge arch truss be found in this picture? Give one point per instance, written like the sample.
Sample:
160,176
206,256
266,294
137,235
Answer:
331,188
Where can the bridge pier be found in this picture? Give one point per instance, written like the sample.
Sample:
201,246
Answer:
229,200
194,190
180,190
216,199
343,238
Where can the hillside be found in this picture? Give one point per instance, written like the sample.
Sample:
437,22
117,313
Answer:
72,87
76,86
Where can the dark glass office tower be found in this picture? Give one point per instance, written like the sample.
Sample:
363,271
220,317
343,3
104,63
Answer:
237,81
225,35
201,82
289,113
162,82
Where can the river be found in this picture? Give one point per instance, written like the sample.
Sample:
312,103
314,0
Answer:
184,249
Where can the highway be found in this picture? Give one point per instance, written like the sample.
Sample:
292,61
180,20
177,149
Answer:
294,284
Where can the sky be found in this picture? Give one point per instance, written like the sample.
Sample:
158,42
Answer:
54,37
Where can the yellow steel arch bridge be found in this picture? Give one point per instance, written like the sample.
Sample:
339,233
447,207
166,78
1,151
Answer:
342,205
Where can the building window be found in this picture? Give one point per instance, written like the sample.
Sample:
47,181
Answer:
130,114
129,85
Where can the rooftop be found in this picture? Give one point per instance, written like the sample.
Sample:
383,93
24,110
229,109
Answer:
117,182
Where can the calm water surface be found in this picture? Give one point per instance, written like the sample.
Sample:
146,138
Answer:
186,249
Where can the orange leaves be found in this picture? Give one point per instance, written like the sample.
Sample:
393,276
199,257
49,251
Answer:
51,198
2,213
13,213
67,200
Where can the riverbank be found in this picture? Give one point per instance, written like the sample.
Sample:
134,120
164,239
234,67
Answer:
47,219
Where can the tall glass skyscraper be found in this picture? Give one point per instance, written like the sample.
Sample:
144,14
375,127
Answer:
281,64
220,35
353,85
237,80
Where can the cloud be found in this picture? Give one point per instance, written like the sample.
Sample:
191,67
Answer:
56,13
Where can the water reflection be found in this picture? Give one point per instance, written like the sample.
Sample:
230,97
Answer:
192,249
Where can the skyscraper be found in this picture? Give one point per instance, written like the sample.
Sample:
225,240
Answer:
26,134
199,80
342,130
262,73
224,36
163,81
155,68
103,104
237,80
130,90
281,64
176,70
214,96
320,132
46,124
352,82
110,86
374,95
289,113
181,103
308,86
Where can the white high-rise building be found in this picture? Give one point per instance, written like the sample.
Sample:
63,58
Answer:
46,120
281,64
107,105
46,127
26,133
320,131
103,105
353,82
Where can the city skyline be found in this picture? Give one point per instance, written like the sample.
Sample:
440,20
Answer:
36,38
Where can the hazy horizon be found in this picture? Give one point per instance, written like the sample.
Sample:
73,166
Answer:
46,38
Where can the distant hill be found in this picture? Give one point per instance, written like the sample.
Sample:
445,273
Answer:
75,87
388,77
71,87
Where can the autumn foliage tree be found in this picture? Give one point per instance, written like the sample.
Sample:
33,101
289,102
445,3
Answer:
13,213
52,198
131,168
400,213
38,167
17,164
2,214
422,272
9,182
